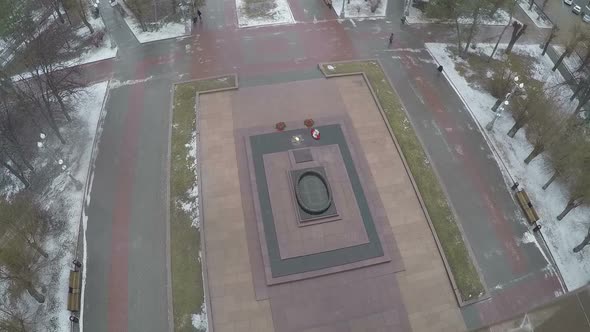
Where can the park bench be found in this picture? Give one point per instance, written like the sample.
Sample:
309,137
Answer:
74,291
527,207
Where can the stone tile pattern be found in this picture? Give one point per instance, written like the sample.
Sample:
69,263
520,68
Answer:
425,287
373,215
364,299
234,305
295,240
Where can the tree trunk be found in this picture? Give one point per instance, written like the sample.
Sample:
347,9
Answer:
514,38
458,28
38,249
573,203
34,293
584,243
16,173
536,151
579,88
66,12
471,30
56,7
55,128
83,17
584,61
61,105
551,36
516,127
500,38
553,177
560,60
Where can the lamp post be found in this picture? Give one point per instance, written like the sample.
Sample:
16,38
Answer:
498,110
60,162
490,125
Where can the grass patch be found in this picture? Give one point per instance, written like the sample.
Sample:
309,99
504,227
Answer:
259,8
185,240
466,277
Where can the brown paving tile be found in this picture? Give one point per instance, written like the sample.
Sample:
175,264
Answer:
234,304
365,299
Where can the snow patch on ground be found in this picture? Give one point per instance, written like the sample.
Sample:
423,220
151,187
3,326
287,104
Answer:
537,18
191,205
63,193
200,320
561,236
358,8
571,62
95,53
417,16
166,31
278,12
117,84
90,54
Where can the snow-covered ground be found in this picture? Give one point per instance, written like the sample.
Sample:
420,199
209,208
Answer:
169,30
358,8
164,31
200,320
561,236
417,16
64,199
274,12
105,51
90,54
571,62
89,111
539,21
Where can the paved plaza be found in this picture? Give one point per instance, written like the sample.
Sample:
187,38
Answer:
386,273
393,282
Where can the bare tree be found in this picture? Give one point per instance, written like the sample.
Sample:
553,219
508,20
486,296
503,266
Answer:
578,177
451,10
543,128
19,267
139,10
81,9
25,219
512,5
50,82
552,34
577,196
518,30
584,243
576,36
522,109
13,318
566,154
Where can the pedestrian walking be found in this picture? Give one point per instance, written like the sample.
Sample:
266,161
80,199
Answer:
199,14
440,69
391,39
403,20
195,18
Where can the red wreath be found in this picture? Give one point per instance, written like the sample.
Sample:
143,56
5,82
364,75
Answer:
280,126
308,123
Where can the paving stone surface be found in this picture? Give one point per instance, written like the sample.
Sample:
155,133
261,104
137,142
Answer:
411,292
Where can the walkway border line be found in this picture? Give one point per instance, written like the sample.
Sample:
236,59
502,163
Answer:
448,270
207,297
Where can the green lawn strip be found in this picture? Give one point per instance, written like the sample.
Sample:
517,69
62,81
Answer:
464,272
185,240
